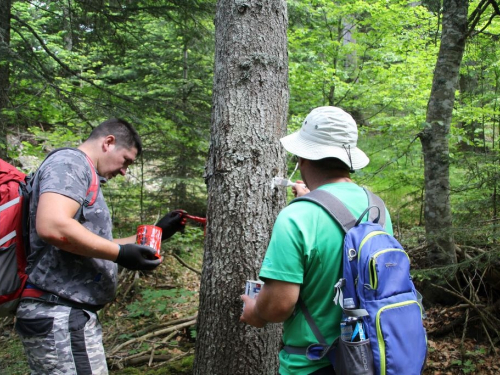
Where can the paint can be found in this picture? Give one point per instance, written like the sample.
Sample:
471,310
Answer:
149,235
252,288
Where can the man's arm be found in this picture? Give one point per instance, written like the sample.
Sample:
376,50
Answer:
55,225
125,240
274,303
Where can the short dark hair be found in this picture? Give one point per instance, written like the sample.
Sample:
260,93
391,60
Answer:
124,133
328,164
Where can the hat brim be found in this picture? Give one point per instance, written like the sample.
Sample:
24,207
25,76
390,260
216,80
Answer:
307,149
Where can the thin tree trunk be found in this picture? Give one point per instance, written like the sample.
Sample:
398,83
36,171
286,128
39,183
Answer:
434,138
250,105
5,8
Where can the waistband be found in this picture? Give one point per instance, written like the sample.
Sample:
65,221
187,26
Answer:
34,293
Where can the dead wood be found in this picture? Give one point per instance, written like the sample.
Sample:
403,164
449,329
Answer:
155,333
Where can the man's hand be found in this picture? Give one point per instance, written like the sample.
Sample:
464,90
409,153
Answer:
275,303
137,257
171,223
249,315
298,189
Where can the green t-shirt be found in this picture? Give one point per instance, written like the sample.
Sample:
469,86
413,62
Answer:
306,249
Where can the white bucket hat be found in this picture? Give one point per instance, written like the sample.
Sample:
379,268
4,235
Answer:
327,132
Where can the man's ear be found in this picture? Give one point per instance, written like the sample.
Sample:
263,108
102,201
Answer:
108,143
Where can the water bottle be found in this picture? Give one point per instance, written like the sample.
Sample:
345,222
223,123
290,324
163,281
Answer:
351,328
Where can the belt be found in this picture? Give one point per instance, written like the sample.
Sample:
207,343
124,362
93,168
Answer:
32,292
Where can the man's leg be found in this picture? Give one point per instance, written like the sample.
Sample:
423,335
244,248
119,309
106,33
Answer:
86,342
60,340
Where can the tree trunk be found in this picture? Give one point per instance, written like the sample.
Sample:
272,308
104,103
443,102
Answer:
250,105
434,138
5,7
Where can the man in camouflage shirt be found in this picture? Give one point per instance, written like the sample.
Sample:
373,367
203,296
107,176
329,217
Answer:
74,259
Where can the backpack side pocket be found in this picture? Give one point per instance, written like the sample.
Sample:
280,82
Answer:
354,358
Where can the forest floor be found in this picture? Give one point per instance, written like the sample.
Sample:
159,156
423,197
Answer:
150,328
451,354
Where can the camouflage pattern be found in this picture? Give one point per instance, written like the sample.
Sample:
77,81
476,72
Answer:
74,277
49,344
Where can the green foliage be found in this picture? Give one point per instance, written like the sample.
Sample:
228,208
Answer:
193,332
365,59
80,63
11,351
183,366
76,64
447,274
180,367
153,66
158,302
189,243
375,60
468,366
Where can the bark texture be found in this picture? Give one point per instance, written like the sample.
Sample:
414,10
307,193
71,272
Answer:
5,8
250,105
434,138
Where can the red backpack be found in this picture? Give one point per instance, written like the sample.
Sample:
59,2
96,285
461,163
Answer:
13,215
15,191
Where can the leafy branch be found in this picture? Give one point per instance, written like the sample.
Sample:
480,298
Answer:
62,64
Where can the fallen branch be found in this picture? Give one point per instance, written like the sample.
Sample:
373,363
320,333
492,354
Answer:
152,334
147,359
163,342
135,277
443,330
167,324
488,320
460,306
185,264
163,358
8,320
464,332
168,338
190,352
152,356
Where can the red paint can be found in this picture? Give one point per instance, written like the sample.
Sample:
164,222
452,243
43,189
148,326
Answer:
149,235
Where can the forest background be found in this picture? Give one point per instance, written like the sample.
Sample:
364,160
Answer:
67,65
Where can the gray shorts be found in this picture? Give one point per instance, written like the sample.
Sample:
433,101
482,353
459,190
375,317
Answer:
60,339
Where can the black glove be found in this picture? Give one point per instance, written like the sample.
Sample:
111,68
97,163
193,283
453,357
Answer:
137,257
171,223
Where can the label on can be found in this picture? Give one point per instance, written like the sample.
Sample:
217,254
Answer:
352,330
346,330
149,235
252,288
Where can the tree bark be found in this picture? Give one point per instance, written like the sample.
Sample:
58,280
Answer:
5,8
250,105
434,138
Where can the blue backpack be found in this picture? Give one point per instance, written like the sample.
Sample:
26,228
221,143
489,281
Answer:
376,274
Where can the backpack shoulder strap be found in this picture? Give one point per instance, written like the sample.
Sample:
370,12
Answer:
94,185
332,205
321,349
93,189
375,200
90,197
340,212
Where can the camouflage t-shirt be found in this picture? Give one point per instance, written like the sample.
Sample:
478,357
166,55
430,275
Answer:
75,277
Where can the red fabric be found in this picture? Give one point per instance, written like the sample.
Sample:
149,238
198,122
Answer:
94,185
11,220
32,293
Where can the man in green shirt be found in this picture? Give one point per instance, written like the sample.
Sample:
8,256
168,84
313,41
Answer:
304,256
